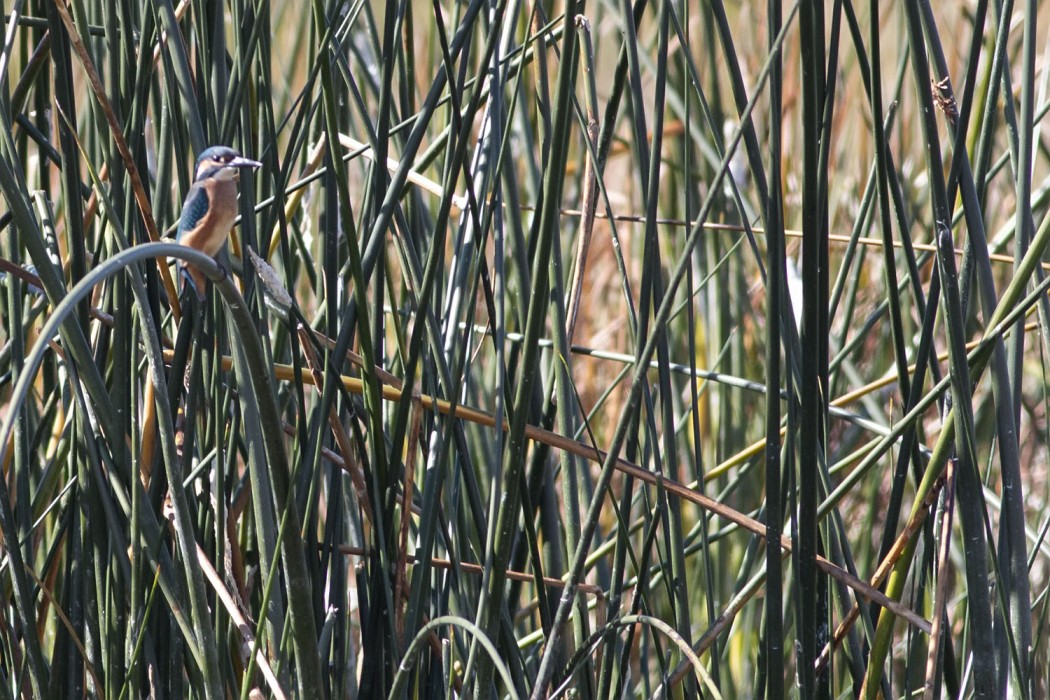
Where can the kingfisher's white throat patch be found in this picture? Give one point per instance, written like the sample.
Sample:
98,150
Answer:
228,173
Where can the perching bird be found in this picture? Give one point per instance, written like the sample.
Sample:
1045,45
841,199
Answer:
211,206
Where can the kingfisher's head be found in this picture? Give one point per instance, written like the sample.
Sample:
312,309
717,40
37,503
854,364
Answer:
221,163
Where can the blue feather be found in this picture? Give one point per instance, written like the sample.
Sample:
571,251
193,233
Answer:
195,209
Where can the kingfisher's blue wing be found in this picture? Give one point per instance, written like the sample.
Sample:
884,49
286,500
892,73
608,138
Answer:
193,210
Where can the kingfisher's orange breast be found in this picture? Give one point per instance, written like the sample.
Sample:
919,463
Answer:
211,232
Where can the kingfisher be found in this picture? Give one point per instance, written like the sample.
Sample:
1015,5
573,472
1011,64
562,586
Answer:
211,206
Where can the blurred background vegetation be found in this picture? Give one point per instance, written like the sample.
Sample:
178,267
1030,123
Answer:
602,349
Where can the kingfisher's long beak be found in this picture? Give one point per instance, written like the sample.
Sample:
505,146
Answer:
242,162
